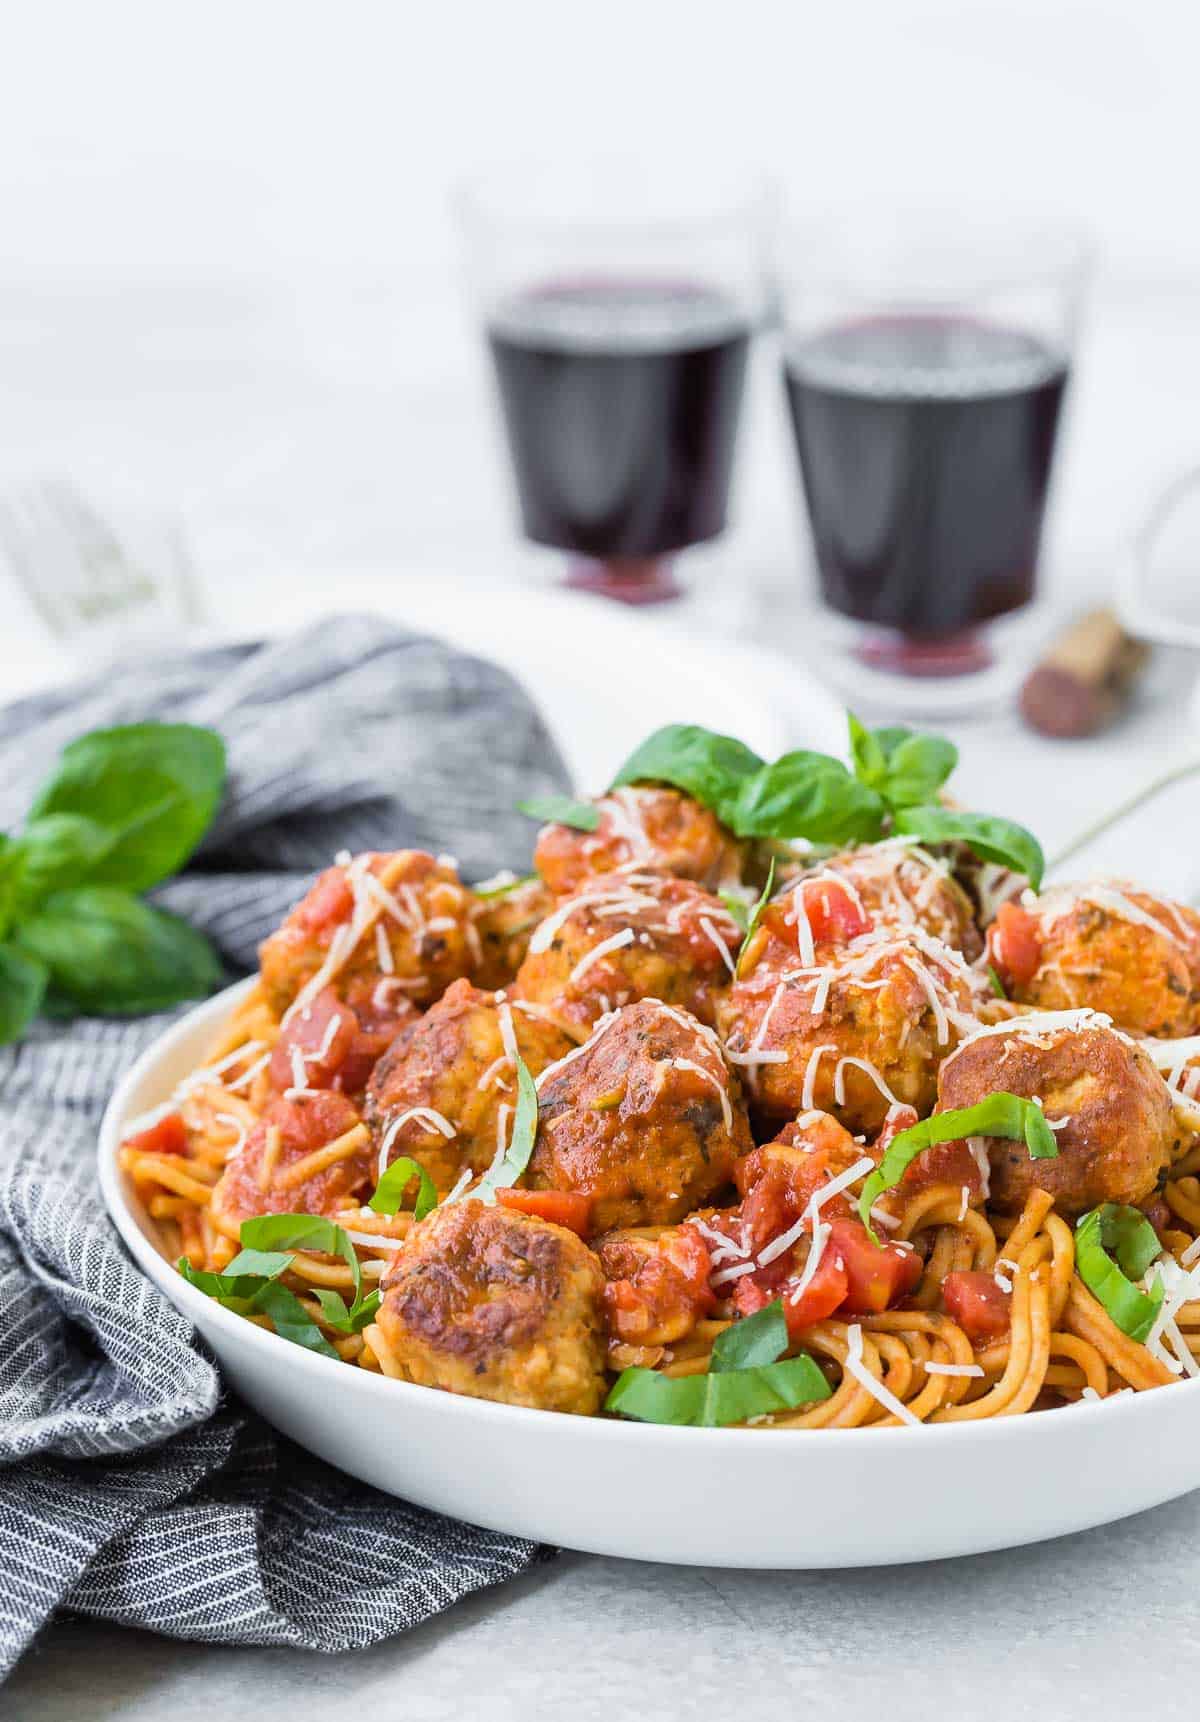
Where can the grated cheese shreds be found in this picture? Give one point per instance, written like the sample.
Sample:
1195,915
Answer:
598,952
860,1372
426,1115
972,1369
690,1064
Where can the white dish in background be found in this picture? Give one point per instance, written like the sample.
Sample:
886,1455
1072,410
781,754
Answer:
603,676
714,1497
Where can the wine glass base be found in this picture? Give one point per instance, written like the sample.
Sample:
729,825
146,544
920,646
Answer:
972,672
629,580
965,653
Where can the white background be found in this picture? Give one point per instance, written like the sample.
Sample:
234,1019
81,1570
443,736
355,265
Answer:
228,269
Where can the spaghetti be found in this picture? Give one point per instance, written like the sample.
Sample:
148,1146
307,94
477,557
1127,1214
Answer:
985,1310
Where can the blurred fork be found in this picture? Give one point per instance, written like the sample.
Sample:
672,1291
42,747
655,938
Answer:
76,573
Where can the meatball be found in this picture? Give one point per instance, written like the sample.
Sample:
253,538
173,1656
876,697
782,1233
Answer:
646,1119
504,921
636,938
855,1029
644,828
898,884
378,929
283,1167
1110,1109
452,1071
497,1305
1105,946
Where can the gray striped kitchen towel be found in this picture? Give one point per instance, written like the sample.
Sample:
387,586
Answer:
132,1485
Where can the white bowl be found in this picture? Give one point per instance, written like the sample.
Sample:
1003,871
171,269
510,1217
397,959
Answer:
714,1497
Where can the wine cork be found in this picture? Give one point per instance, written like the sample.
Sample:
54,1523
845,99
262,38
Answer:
1085,679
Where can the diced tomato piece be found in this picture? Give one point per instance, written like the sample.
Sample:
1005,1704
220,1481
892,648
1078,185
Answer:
898,1118
308,1124
1015,943
560,1207
168,1136
667,1293
833,914
329,901
943,1163
823,1294
877,1275
979,1306
327,1028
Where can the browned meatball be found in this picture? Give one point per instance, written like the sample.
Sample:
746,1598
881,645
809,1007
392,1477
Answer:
375,928
497,1305
1106,946
860,1027
1111,1112
643,828
647,1119
445,1090
629,939
504,922
899,884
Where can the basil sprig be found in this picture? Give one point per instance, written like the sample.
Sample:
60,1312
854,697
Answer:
893,786
1115,1229
393,1186
744,1380
520,1147
123,810
249,1285
999,1114
561,810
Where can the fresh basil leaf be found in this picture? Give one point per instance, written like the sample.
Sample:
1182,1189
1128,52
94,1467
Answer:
870,761
52,853
110,953
393,1187
269,1264
154,787
487,892
706,765
996,984
1000,1114
510,1169
1127,1232
916,769
291,1320
22,989
252,1294
561,810
333,1308
755,916
755,1340
302,1232
738,908
991,839
712,1401
809,795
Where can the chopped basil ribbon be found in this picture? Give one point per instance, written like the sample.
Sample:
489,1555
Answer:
896,778
249,1285
999,1115
561,810
487,892
996,984
1127,1233
744,1380
738,908
507,1173
393,1186
755,917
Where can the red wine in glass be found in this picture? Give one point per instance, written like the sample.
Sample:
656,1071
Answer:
621,402
925,447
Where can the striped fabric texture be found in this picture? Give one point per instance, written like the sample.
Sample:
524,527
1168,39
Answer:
135,1487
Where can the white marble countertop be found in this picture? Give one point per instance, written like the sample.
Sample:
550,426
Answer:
1099,1622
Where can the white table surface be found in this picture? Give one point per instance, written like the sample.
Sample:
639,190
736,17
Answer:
290,468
